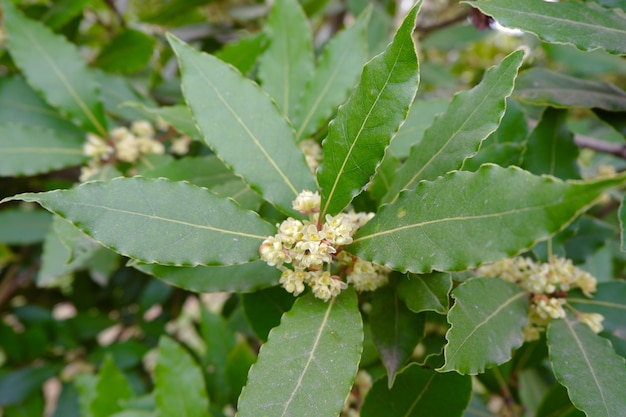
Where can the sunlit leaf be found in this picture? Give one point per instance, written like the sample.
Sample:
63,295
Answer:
584,25
419,392
286,66
588,367
366,123
487,319
457,134
141,218
309,362
540,86
465,219
54,67
244,127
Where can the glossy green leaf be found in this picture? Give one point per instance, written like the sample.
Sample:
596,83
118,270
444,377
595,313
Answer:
485,309
244,127
420,117
396,330
20,104
22,227
588,367
237,278
141,218
111,389
556,403
54,67
550,148
337,72
366,123
128,51
29,150
286,66
540,86
308,365
426,292
457,134
419,392
609,300
263,309
465,219
585,25
178,382
243,53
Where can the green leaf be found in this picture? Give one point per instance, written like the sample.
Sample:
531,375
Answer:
457,134
588,367
16,386
128,51
426,292
465,219
236,278
337,72
20,104
117,93
219,341
30,150
485,309
54,67
419,392
586,25
366,123
178,382
396,330
263,309
243,53
22,227
477,408
141,218
62,11
308,365
287,64
239,361
111,389
420,117
244,127
556,403
609,300
177,116
542,87
550,149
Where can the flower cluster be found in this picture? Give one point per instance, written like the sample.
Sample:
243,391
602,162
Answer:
548,283
314,251
312,152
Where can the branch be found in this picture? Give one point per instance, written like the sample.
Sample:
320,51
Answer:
615,149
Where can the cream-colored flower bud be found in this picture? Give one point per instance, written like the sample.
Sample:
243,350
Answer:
96,147
593,320
307,202
272,251
127,149
142,128
180,145
293,281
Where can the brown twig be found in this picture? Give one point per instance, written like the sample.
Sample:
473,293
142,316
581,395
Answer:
616,149
425,30
13,279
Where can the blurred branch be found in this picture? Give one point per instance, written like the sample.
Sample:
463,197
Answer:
616,149
425,30
13,279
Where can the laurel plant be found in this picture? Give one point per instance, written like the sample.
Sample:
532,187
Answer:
382,267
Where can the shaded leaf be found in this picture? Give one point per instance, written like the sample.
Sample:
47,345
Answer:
243,53
128,51
556,403
239,361
263,309
609,300
486,324
237,278
540,86
550,149
29,150
178,382
426,292
419,392
17,385
287,64
110,390
308,365
54,67
586,25
117,93
22,227
366,123
177,116
141,218
337,72
219,341
244,127
396,330
588,367
457,134
465,219
477,408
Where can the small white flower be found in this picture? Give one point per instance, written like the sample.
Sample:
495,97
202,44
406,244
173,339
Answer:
307,202
593,320
180,145
142,128
272,252
293,281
